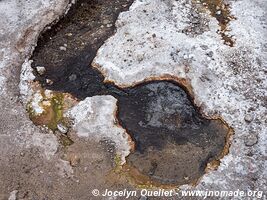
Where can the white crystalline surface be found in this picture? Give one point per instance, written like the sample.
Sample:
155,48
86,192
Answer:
94,118
227,81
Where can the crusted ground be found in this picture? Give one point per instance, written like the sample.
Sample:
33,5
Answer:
155,39
226,81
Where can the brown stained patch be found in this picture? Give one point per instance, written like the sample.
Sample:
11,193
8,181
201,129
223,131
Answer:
221,11
22,43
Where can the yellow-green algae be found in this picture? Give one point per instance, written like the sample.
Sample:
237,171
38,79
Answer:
57,107
52,104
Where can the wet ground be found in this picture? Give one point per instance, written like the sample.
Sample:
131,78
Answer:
67,49
173,142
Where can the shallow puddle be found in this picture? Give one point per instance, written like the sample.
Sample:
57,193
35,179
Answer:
173,142
67,49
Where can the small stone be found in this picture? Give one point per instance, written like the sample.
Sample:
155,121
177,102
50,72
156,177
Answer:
69,34
248,118
13,195
73,77
62,128
218,12
140,57
186,178
109,25
49,82
191,56
40,70
195,21
210,54
62,48
194,14
185,56
251,140
48,94
106,21
204,47
85,169
187,69
74,160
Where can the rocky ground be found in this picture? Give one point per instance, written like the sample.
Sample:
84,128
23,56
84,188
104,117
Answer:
217,49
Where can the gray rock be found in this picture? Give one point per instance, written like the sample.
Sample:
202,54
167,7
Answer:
251,140
73,77
62,128
210,54
249,117
218,12
106,21
40,70
13,195
62,48
204,47
49,82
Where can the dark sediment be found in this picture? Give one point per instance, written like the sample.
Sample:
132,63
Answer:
173,141
83,30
